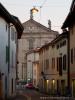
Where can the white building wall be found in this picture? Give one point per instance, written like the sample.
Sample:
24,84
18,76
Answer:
12,69
4,31
30,59
3,44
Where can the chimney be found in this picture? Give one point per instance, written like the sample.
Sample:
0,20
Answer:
49,24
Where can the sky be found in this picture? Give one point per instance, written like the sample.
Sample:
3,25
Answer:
55,10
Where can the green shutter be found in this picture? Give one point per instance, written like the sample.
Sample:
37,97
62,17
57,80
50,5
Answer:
7,54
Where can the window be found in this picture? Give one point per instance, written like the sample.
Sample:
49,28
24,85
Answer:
53,63
53,46
47,47
6,89
61,44
30,44
64,62
60,65
57,63
58,86
30,28
44,64
47,63
7,54
63,86
71,56
57,46
12,85
64,42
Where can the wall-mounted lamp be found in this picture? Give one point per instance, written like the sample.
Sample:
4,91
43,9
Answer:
53,81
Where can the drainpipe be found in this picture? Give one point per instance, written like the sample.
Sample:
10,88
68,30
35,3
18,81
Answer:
8,49
68,48
9,54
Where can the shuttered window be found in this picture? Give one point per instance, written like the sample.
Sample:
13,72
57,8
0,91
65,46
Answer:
7,54
71,56
60,65
57,63
64,62
53,63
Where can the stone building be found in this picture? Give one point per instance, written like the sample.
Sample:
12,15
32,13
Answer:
33,67
10,30
69,24
53,65
34,35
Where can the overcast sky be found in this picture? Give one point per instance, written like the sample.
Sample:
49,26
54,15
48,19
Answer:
55,10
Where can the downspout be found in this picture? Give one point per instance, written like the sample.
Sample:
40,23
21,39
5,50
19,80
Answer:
8,58
9,50
68,49
16,57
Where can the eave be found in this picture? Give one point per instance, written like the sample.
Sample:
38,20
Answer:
70,18
58,38
11,19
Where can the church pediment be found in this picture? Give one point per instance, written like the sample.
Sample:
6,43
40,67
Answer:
33,26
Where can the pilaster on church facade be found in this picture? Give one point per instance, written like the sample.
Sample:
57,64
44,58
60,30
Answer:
34,36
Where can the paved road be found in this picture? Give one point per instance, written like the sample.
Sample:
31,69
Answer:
30,94
34,95
18,97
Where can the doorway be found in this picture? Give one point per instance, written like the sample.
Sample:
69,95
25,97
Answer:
6,87
1,87
73,87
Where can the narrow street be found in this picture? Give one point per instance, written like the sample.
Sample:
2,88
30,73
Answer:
37,55
18,97
27,94
30,94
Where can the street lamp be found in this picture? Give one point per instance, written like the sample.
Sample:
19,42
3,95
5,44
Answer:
33,10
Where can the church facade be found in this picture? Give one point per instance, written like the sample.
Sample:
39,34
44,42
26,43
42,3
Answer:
34,36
